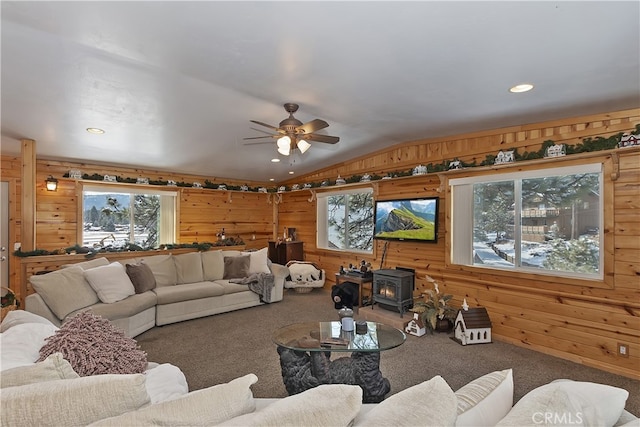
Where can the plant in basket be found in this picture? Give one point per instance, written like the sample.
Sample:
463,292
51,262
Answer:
435,311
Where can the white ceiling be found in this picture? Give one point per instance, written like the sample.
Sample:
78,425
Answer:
174,84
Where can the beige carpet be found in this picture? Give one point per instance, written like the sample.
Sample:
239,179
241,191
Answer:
217,349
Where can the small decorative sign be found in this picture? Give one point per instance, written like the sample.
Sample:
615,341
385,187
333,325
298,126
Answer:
222,187
556,150
282,189
307,185
171,183
244,187
504,157
197,185
75,174
295,187
110,178
365,178
262,190
142,180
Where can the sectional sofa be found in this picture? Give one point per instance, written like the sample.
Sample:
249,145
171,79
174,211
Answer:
137,294
52,393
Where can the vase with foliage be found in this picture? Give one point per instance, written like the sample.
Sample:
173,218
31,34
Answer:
434,309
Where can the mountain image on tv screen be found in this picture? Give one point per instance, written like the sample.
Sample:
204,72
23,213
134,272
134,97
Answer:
413,219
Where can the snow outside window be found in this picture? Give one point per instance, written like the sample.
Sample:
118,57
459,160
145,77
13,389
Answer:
547,221
116,217
345,220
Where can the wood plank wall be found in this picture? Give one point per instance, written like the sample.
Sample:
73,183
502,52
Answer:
202,212
579,323
574,322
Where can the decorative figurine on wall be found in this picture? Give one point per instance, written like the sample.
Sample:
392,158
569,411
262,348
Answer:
628,140
504,157
556,150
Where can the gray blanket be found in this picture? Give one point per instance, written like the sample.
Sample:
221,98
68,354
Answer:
260,283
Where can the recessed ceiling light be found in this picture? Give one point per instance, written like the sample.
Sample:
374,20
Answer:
523,87
275,160
95,130
272,179
290,172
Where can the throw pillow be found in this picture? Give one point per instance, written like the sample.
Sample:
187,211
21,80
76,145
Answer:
52,368
430,403
236,267
141,276
207,407
189,267
110,282
324,405
569,402
64,290
258,261
93,346
73,402
485,400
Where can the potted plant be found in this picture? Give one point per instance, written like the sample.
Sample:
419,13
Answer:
435,311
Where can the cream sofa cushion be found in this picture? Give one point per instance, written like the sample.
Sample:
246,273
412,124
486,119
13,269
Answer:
189,267
568,402
163,268
212,265
65,290
206,407
52,368
20,317
325,405
430,403
85,265
20,345
73,402
485,400
110,282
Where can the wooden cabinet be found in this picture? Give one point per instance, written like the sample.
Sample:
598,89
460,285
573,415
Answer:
283,252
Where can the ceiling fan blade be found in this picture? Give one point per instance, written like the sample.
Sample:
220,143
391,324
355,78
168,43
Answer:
258,143
322,138
312,126
259,137
264,124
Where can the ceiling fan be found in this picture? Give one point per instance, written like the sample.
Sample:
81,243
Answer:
291,133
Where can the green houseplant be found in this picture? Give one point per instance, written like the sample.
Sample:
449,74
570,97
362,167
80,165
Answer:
435,308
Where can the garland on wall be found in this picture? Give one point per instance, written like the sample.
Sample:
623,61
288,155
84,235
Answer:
130,247
587,145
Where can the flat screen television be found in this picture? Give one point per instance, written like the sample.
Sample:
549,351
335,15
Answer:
407,219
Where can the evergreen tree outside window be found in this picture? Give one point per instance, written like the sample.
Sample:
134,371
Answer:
145,218
345,220
546,221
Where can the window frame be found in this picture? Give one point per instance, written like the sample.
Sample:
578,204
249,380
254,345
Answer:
171,225
321,219
537,168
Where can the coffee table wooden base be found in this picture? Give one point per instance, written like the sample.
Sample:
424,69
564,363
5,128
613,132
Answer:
302,371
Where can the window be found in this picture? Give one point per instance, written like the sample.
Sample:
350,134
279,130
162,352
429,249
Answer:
116,217
345,220
546,221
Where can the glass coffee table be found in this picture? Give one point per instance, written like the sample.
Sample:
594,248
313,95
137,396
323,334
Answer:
305,356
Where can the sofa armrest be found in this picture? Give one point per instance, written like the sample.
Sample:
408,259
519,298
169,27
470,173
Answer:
280,273
35,304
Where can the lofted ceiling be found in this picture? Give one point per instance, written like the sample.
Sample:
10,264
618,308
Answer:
174,84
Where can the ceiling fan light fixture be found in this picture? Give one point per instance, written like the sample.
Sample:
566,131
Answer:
303,146
284,145
520,88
